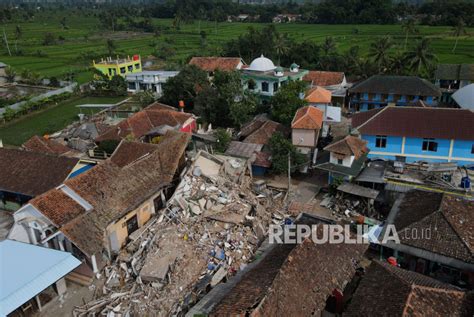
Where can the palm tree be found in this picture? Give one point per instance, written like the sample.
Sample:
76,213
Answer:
18,35
458,30
281,45
329,45
379,51
420,56
409,27
397,64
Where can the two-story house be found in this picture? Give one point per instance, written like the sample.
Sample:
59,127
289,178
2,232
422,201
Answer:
149,80
346,158
451,77
264,78
321,98
413,134
379,91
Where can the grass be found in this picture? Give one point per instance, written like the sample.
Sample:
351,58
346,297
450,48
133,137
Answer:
49,120
83,35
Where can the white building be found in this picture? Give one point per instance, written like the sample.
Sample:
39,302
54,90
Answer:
148,80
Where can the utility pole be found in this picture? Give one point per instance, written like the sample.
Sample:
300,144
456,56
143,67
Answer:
289,174
6,42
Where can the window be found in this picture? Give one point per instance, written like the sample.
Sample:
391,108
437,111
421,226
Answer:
275,87
122,70
339,161
130,68
381,141
251,84
430,145
137,66
264,86
472,149
110,71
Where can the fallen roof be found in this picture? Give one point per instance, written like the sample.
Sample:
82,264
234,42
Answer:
32,173
455,72
374,172
352,171
350,145
44,145
318,95
242,149
140,123
399,85
449,219
211,64
308,117
112,192
386,290
322,78
357,190
263,134
27,270
442,123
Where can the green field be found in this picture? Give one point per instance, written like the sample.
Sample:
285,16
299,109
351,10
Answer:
49,120
84,35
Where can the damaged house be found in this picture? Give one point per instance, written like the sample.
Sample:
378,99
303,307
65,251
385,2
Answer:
435,232
93,215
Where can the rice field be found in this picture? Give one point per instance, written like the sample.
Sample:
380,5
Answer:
83,36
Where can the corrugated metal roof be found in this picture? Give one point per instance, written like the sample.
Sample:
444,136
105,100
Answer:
28,269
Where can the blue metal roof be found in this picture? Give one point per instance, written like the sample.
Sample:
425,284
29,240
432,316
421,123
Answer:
26,270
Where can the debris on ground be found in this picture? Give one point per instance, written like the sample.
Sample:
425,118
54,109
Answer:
208,231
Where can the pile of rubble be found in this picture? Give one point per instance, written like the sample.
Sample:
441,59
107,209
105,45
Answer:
208,231
344,207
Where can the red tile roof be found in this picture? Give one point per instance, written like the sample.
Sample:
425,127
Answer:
128,152
320,78
308,117
417,122
262,159
41,144
350,145
211,64
386,290
263,134
32,173
318,95
112,191
143,121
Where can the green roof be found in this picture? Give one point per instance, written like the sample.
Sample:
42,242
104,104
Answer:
352,171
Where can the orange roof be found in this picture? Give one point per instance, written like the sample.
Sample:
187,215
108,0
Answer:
318,95
308,117
320,78
211,64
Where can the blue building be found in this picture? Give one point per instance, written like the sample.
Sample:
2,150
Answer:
412,134
379,91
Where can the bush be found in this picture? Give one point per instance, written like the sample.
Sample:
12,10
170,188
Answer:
223,139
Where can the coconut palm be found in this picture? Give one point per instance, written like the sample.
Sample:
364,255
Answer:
281,45
421,56
379,52
458,30
409,27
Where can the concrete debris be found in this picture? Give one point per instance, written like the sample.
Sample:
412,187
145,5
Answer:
209,229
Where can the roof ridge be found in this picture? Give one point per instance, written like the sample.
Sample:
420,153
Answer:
374,116
437,289
385,267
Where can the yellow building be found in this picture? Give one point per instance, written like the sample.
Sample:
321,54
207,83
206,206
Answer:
119,66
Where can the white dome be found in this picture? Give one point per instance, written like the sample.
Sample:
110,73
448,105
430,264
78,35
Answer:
261,64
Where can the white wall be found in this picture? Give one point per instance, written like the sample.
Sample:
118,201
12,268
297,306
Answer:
26,219
347,161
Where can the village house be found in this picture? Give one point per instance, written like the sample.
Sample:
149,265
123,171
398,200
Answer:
145,124
277,283
46,145
346,158
322,99
264,78
27,174
379,91
32,277
335,82
452,77
211,64
148,80
386,290
435,232
254,153
305,129
286,18
412,134
93,215
119,66
261,129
